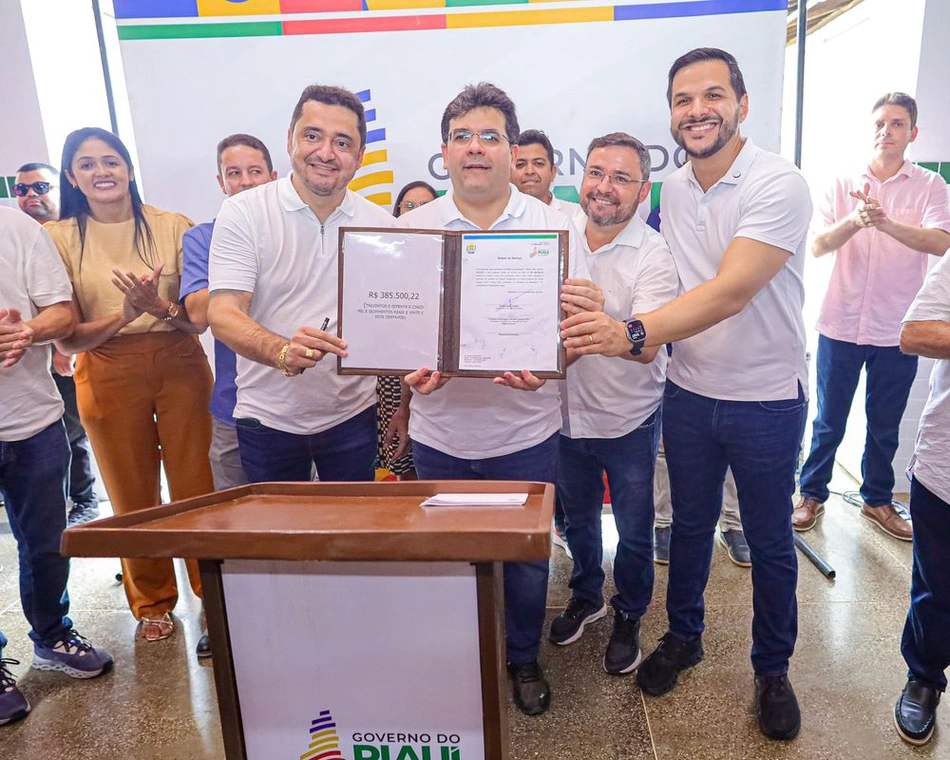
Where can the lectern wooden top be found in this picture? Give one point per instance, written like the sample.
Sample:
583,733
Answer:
329,521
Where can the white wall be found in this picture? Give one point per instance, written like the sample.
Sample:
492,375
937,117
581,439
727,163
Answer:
872,49
21,128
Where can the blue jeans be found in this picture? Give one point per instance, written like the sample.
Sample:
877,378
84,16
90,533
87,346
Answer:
526,583
890,375
33,478
629,462
82,482
759,441
345,452
926,641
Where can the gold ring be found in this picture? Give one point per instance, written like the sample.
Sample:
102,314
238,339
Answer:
310,353
590,338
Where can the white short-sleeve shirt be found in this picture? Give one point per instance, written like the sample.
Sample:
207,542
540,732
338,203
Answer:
758,354
472,418
32,276
568,208
607,397
931,461
268,242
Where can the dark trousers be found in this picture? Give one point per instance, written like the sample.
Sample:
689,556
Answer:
702,437
629,463
926,641
526,583
345,452
890,375
82,483
33,479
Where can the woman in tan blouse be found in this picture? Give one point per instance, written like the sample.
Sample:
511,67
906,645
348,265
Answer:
143,383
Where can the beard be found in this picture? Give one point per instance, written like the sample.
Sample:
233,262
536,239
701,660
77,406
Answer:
618,215
727,130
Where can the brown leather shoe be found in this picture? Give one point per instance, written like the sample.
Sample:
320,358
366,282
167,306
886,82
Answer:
806,514
887,519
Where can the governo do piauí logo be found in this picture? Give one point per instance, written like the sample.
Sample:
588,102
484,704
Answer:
379,745
374,179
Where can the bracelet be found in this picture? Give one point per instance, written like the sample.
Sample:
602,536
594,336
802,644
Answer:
173,311
282,361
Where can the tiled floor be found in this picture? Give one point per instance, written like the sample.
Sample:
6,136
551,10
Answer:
159,703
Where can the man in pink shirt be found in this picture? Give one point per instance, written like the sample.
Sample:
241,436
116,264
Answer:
882,223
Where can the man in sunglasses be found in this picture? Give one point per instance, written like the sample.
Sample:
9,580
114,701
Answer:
37,191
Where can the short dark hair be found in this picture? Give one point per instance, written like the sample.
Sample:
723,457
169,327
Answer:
707,54
332,96
248,141
901,99
482,95
537,137
37,166
623,140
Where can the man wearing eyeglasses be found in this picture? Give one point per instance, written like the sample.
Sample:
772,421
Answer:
37,192
736,219
473,429
610,406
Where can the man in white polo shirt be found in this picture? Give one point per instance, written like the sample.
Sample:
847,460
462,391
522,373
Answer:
926,641
610,406
736,219
476,428
273,281
534,170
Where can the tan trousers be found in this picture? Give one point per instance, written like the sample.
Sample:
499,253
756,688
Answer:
143,400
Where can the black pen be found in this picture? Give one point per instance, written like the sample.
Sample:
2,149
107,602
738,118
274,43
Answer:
325,325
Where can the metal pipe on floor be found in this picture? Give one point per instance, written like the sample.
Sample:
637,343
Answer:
814,557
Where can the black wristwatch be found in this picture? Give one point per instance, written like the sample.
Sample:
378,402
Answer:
636,334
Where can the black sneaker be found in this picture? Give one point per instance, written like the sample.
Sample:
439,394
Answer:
13,705
203,650
530,688
623,651
659,672
777,707
915,713
80,514
568,627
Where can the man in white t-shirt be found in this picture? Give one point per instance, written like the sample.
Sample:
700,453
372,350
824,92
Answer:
474,429
273,278
35,309
926,641
611,405
534,171
736,219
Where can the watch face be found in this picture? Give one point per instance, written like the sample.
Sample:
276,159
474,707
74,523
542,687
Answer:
635,330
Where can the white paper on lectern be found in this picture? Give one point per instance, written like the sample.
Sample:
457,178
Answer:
509,289
476,500
392,285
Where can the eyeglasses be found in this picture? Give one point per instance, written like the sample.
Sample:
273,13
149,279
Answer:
617,180
487,137
410,205
20,189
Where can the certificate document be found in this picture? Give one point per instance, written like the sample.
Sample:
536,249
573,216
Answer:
392,289
471,304
506,315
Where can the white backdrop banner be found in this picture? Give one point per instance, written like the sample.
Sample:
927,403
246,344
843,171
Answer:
198,70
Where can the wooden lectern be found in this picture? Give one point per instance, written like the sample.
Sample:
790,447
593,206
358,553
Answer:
347,621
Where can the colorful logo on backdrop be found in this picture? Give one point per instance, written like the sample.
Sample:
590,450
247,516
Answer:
168,19
379,745
374,180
